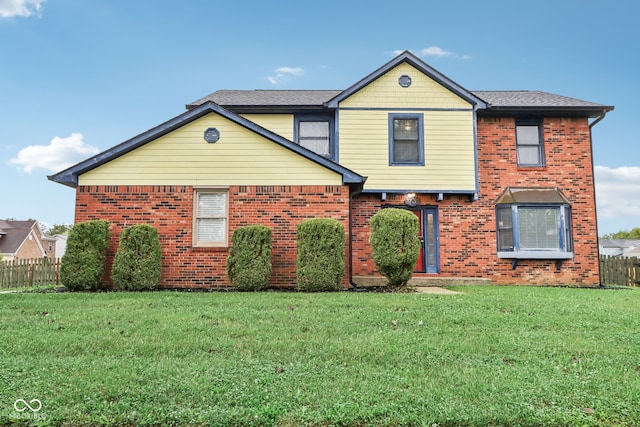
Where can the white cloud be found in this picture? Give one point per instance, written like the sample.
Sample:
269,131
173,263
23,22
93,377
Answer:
11,8
283,74
618,191
436,51
58,155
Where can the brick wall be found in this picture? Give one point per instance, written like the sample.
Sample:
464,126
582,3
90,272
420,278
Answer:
467,229
30,248
169,209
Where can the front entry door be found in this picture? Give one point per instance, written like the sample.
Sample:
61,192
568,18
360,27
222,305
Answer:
428,234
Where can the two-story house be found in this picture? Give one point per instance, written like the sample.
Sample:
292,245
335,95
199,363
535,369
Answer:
501,181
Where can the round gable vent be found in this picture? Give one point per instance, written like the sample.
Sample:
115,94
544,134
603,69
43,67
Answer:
404,81
211,135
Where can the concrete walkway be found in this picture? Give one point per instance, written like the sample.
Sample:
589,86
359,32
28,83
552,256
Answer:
435,290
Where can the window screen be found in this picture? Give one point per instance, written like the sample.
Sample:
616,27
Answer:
314,136
211,218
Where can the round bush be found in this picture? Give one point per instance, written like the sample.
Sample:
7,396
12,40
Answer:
137,265
395,244
249,260
320,258
84,262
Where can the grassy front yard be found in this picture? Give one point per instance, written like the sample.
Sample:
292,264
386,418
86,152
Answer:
489,356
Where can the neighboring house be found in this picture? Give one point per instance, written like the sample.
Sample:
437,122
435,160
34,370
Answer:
626,248
24,240
61,244
502,181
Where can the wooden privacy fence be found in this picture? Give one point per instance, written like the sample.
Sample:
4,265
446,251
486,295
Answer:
619,271
29,272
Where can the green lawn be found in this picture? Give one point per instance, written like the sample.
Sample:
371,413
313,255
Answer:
489,356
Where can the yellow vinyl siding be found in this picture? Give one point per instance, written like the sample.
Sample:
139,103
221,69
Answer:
183,157
449,151
282,124
386,92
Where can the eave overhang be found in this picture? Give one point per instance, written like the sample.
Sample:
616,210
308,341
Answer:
70,175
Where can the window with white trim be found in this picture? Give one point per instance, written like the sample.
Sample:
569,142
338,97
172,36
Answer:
210,218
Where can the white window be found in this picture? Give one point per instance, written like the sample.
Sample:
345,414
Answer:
210,218
314,135
529,146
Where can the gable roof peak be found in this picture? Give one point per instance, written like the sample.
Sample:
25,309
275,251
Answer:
420,65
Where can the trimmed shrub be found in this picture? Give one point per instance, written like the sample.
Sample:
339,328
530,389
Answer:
249,260
320,259
395,244
137,265
84,262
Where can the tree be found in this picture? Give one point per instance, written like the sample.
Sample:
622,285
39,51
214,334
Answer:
59,229
633,234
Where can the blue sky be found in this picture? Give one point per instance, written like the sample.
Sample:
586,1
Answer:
77,76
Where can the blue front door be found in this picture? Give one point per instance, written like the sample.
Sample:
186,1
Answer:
428,261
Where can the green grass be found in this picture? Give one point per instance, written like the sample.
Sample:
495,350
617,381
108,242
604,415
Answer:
489,356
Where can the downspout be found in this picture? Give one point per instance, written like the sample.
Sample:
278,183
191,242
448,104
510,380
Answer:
593,174
351,196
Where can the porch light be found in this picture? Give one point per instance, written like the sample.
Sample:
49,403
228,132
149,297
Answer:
410,199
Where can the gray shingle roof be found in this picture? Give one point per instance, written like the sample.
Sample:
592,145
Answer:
268,98
527,98
518,99
13,234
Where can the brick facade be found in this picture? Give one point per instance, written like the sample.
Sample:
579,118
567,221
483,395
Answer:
170,210
467,228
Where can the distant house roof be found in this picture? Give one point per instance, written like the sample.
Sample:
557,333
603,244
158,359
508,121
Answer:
13,234
619,243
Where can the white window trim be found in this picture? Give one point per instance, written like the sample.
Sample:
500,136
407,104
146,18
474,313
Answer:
195,239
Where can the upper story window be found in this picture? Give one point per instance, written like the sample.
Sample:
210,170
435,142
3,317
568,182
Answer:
210,217
529,143
534,223
406,139
314,133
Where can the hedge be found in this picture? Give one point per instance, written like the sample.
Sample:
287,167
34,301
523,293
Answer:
137,265
249,261
320,258
84,262
395,244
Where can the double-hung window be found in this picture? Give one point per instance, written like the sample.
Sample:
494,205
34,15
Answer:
529,143
534,223
210,222
314,133
406,139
